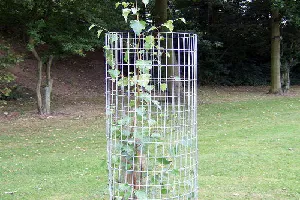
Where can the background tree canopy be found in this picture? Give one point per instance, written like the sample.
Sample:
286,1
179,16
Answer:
54,29
234,36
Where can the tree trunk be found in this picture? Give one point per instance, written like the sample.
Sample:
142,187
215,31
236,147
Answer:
173,71
39,77
48,88
43,100
161,12
172,67
285,77
38,87
275,53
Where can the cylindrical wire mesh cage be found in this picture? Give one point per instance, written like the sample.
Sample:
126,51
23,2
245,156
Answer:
151,93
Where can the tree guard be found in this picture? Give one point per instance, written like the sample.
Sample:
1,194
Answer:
151,106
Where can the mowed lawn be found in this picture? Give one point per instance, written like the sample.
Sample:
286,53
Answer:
249,148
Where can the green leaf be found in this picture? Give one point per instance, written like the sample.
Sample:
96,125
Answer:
157,104
114,73
175,171
144,65
163,87
126,133
134,11
137,26
92,26
114,128
151,122
164,191
124,121
144,80
183,20
145,2
141,111
141,51
145,96
140,194
117,4
169,25
125,4
124,187
114,159
125,13
168,54
128,150
163,161
99,33
110,58
149,87
161,38
132,103
149,42
124,81
113,38
126,57
186,142
152,28
155,135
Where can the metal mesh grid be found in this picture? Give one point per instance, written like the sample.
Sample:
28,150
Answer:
152,122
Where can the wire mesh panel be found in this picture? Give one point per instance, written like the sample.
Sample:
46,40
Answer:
151,115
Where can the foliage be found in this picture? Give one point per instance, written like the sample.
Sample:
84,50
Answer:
234,38
7,59
55,29
61,26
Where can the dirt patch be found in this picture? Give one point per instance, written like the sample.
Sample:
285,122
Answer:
78,87
73,77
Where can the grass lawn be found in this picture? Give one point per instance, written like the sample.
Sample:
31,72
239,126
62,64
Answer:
249,149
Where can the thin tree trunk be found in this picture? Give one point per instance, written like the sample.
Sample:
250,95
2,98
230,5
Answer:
285,77
38,87
48,88
39,81
275,53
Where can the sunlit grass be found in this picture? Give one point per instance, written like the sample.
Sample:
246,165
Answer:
53,159
249,149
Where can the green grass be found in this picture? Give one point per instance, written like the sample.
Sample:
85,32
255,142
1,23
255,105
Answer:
249,149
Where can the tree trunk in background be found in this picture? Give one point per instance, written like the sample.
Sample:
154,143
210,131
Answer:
173,70
285,77
43,99
38,87
39,79
275,53
161,12
48,88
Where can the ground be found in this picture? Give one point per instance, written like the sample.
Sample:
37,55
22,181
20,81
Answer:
248,139
79,84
